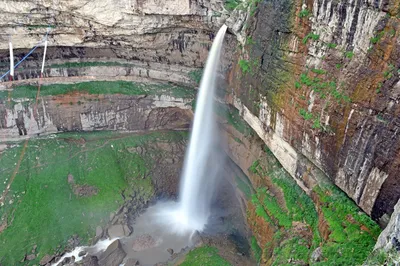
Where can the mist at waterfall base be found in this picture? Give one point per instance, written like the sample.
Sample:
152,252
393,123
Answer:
202,161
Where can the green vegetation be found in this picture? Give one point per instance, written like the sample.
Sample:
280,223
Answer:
378,36
304,13
339,95
388,74
317,123
231,4
381,257
298,207
349,54
196,75
233,118
353,233
253,6
331,45
312,36
320,82
204,256
257,252
244,66
260,210
244,186
306,115
255,167
318,71
101,87
270,204
41,207
250,41
378,89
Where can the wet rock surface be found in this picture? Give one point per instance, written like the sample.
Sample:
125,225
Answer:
113,256
144,242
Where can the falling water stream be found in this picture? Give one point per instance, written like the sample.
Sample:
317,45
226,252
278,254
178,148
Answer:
197,187
199,173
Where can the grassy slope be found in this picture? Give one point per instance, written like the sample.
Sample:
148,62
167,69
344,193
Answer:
101,87
204,256
352,233
45,211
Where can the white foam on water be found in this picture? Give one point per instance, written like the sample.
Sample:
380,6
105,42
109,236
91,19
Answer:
100,246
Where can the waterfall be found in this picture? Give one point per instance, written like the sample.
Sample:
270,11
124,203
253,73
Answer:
202,162
197,181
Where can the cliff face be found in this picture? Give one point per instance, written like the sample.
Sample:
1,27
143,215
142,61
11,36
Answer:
85,112
318,81
170,32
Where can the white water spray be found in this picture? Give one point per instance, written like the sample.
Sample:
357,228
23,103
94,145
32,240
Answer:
199,176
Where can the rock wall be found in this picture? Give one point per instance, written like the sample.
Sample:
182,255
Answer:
167,32
319,83
85,112
289,226
389,238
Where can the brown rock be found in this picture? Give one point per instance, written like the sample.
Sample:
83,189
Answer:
99,231
114,255
31,257
116,231
82,253
70,179
144,242
46,259
90,261
132,262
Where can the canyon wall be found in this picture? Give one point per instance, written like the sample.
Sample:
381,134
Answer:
167,32
85,112
319,83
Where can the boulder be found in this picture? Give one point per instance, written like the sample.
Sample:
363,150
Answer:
196,238
127,230
90,261
170,251
144,242
132,262
46,259
113,256
66,260
116,231
31,257
316,255
82,253
99,231
389,237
